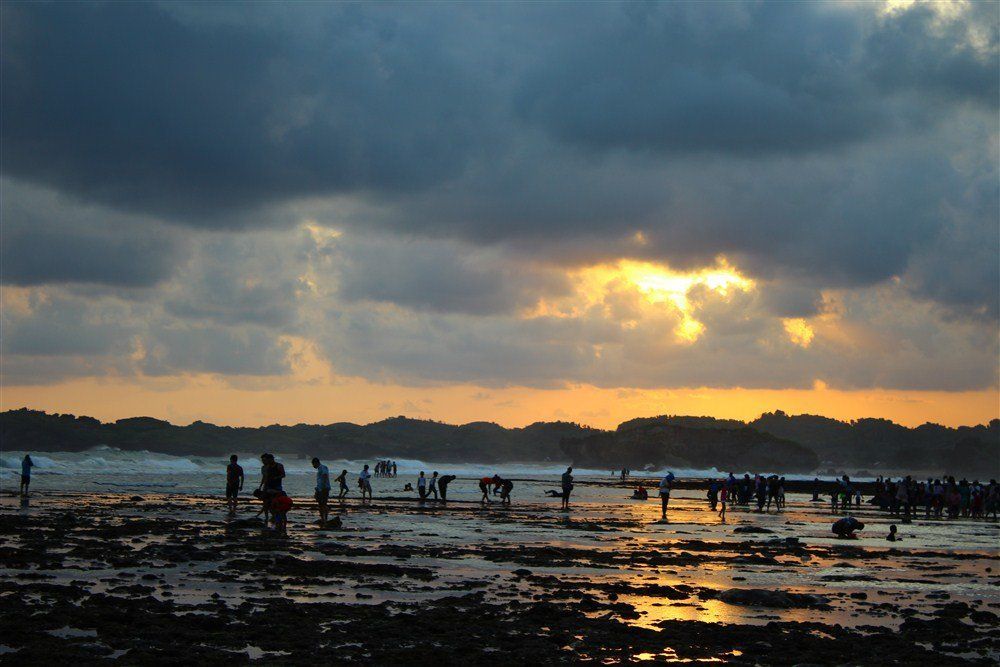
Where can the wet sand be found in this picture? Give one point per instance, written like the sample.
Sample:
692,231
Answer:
161,578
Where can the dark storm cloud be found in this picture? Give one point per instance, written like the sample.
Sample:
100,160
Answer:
953,60
674,77
128,104
48,238
470,153
62,325
752,79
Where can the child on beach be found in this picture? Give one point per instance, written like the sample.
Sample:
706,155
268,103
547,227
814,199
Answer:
280,504
342,480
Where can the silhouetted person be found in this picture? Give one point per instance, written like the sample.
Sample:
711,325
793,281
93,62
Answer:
443,483
567,487
234,483
26,465
322,490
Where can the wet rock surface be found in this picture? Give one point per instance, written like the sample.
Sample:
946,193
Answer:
150,587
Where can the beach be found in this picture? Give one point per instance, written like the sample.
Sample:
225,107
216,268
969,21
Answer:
168,577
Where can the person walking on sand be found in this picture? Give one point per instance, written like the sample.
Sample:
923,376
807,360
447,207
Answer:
342,480
665,485
234,483
443,483
365,482
432,486
567,487
322,490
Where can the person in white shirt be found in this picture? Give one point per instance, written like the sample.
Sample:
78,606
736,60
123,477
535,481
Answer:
365,482
422,486
665,484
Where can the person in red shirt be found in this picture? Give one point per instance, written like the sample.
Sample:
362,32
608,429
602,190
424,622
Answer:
484,485
280,504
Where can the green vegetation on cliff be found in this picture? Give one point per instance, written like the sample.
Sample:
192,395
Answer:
774,441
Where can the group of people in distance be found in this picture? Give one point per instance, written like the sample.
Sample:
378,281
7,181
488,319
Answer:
435,485
722,493
939,498
275,503
385,469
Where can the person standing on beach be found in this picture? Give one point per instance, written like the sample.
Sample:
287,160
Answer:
342,480
365,482
713,494
234,483
665,485
443,483
433,486
26,465
422,486
322,490
723,498
271,474
567,487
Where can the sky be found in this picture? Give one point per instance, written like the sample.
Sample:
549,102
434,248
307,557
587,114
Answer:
309,212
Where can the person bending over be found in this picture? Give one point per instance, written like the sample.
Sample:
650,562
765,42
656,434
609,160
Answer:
845,528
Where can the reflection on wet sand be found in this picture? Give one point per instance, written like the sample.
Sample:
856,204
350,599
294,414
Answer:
610,567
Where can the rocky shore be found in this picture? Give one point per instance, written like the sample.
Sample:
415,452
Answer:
151,579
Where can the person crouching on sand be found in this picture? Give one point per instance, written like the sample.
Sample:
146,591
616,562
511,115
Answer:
280,504
845,528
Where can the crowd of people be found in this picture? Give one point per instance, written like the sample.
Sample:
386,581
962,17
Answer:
942,497
385,468
763,490
905,497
